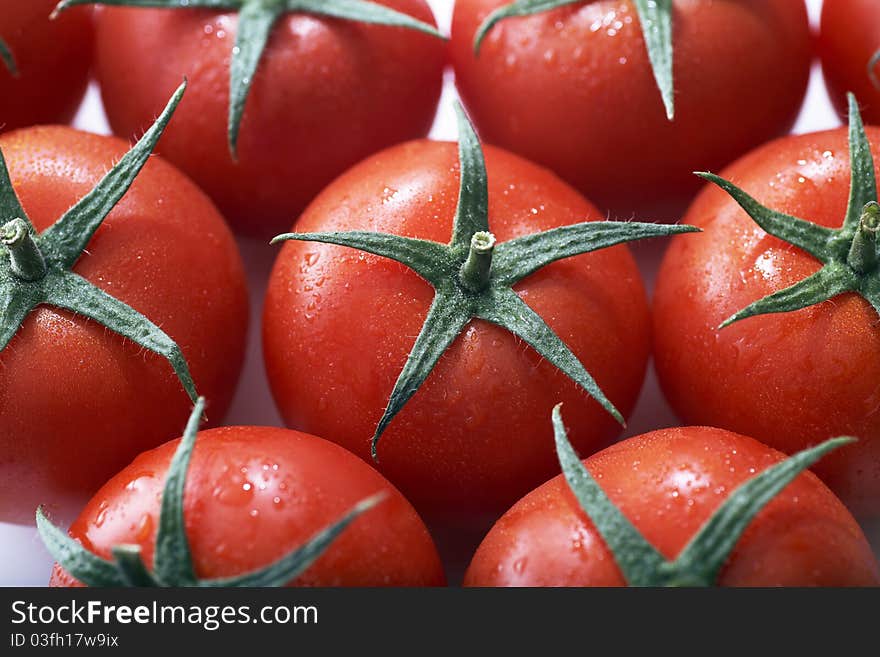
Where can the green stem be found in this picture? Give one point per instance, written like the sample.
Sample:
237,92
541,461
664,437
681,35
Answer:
27,262
863,252
476,269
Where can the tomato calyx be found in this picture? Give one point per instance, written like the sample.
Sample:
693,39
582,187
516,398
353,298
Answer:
702,559
848,254
655,17
172,559
256,18
38,269
8,58
473,277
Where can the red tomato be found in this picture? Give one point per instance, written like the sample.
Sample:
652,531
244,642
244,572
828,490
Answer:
573,89
327,93
254,494
793,379
77,402
849,38
668,483
338,326
53,60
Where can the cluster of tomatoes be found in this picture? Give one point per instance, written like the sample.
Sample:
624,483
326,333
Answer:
441,299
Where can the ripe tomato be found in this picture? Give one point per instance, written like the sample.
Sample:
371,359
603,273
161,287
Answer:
573,89
790,379
254,494
849,38
77,401
668,483
338,326
327,93
52,59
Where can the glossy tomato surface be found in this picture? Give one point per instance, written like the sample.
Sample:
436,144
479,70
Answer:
338,325
252,495
53,58
792,379
327,93
77,401
573,89
849,37
668,483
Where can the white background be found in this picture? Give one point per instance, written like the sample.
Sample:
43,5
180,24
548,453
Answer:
24,561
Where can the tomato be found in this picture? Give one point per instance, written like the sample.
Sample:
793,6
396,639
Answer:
326,94
338,326
849,38
255,493
78,401
52,58
573,89
789,379
668,483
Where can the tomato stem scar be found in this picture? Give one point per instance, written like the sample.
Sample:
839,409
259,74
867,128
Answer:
476,270
25,257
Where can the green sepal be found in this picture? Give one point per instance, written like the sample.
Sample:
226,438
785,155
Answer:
515,9
472,277
637,559
429,260
8,58
655,18
872,69
504,308
863,182
521,256
849,254
82,564
701,560
448,315
60,246
709,550
472,209
256,18
131,567
172,561
294,564
255,23
172,558
828,282
64,241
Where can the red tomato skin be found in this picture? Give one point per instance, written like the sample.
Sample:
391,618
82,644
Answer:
793,379
338,326
668,483
252,495
327,94
53,59
573,89
77,402
849,37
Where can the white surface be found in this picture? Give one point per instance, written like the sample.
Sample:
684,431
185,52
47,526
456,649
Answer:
24,561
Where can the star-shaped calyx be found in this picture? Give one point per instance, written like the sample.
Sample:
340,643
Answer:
8,58
256,18
172,557
655,17
702,559
473,276
37,269
849,254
